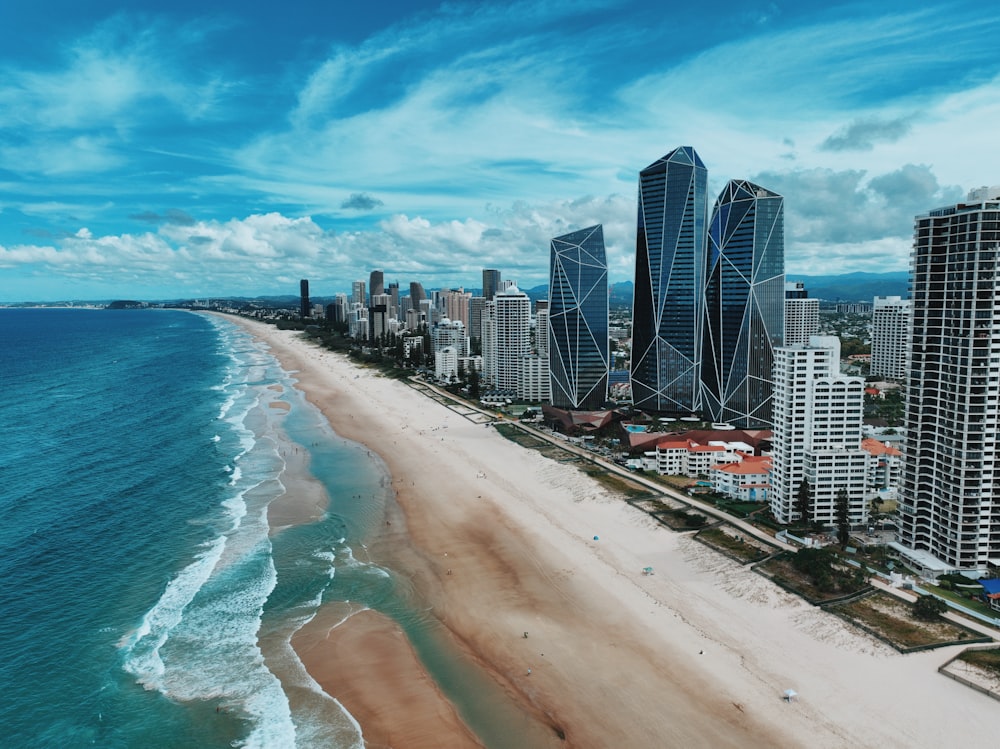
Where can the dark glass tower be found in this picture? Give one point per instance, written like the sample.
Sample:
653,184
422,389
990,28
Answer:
304,307
578,320
669,280
491,283
376,283
744,304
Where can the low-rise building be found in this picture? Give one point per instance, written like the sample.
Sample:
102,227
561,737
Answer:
746,480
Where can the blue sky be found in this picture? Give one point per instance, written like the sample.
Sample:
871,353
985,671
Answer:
191,149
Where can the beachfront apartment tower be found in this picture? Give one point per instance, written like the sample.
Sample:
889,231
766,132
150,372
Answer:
305,309
949,509
506,337
890,336
744,304
801,314
818,415
669,282
578,320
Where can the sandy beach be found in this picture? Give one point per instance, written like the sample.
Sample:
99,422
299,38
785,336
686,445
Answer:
500,542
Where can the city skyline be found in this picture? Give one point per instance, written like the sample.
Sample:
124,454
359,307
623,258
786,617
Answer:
171,152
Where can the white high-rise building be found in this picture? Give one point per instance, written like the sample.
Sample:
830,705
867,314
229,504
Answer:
818,414
450,333
890,336
358,295
801,314
506,337
949,497
533,379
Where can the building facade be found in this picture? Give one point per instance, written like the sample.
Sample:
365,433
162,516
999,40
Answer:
669,280
890,336
305,309
457,306
744,304
577,320
818,415
801,314
506,337
450,333
950,490
376,283
491,283
358,295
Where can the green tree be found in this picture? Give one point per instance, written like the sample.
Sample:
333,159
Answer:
803,501
929,608
473,382
843,518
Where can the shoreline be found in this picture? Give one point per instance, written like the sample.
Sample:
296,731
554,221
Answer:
698,654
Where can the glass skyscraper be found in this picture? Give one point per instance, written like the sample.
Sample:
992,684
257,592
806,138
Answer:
669,281
744,304
578,320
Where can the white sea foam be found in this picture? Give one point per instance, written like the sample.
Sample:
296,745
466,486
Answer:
142,648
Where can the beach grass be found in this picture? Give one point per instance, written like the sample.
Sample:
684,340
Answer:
743,550
893,620
782,570
988,659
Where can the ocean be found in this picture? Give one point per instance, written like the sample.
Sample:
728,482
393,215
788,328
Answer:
141,450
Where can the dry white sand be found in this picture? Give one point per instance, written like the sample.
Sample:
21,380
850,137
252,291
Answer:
698,654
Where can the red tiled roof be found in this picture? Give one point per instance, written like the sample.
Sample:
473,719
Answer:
876,447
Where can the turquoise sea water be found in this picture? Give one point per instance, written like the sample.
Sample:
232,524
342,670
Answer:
139,455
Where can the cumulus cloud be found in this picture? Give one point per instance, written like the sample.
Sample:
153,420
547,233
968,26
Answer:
360,201
844,211
863,134
248,255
